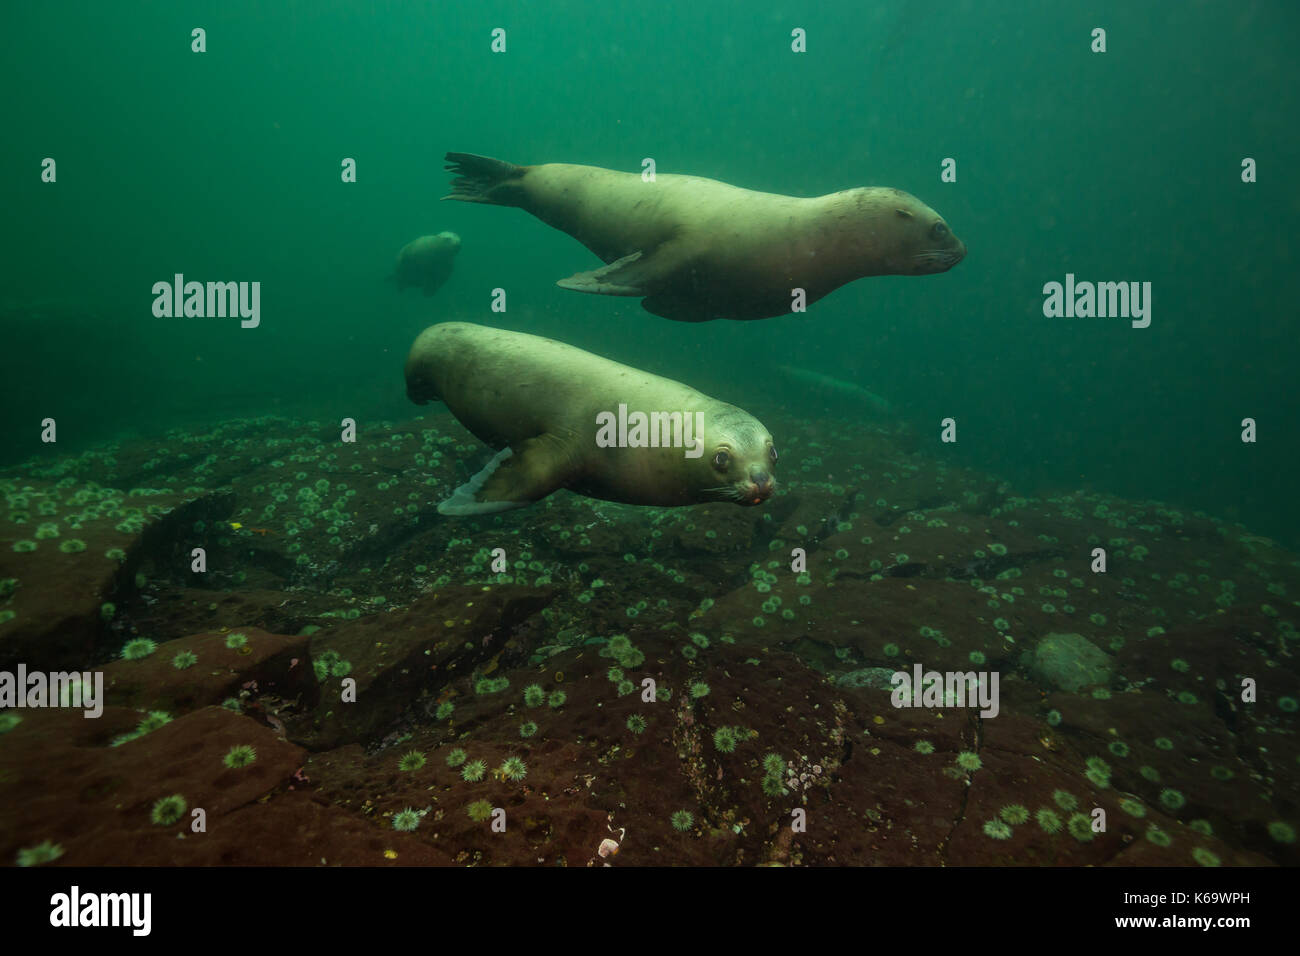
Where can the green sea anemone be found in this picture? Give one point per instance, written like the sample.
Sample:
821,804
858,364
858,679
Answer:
997,830
969,760
556,699
636,724
682,820
527,729
1014,814
410,761
1080,827
699,689
1158,836
1132,807
1098,778
239,756
1279,831
513,768
456,757
1048,820
479,810
43,852
168,810
473,771
152,721
184,660
1065,800
1172,799
138,649
236,641
724,739
406,820
490,685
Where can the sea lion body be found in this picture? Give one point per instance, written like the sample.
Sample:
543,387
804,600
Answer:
425,263
699,249
539,401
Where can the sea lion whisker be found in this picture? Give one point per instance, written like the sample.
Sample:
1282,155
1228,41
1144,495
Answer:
723,492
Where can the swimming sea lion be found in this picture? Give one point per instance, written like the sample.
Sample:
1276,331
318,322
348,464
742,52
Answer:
426,262
565,418
698,249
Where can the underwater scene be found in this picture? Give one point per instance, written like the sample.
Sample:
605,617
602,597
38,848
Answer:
545,434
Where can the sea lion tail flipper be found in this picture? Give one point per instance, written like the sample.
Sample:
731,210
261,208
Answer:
510,480
483,179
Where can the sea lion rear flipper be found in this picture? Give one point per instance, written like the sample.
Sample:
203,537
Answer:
483,179
511,480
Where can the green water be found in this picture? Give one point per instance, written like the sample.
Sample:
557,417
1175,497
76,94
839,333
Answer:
225,165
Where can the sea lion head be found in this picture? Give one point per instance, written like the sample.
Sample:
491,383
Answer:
920,242
430,248
738,461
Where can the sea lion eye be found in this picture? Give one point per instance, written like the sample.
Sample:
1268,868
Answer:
939,230
721,460
772,452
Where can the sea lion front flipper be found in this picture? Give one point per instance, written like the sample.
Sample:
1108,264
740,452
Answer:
637,274
621,277
512,479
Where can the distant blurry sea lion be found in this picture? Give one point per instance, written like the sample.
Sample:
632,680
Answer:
543,403
829,386
426,262
698,249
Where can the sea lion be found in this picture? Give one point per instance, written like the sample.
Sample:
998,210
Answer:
553,410
698,249
829,387
426,262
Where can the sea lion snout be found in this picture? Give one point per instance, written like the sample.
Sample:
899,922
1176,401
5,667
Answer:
759,487
939,257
